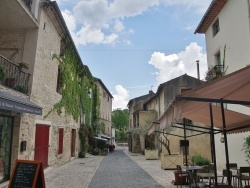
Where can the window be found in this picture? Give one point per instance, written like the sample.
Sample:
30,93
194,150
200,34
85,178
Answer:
217,58
216,27
104,94
60,143
59,82
6,125
184,143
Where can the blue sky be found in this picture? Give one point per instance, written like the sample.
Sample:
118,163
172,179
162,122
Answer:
135,45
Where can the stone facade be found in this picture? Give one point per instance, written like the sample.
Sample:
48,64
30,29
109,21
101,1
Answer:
105,108
152,108
35,45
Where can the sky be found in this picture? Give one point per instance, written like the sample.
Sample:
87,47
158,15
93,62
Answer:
135,45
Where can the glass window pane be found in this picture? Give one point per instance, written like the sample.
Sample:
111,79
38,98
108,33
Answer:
5,147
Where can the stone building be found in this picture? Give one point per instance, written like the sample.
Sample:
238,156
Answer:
154,107
136,107
105,113
32,32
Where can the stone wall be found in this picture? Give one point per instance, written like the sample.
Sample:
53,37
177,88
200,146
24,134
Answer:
44,91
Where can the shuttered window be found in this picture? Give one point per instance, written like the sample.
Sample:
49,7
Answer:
60,143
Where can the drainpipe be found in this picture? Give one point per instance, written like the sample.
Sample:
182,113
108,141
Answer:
248,3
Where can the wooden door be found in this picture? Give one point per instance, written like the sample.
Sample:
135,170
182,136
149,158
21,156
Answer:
73,141
42,144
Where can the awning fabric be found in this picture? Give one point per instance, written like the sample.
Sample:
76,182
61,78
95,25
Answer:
102,139
194,104
105,136
153,126
17,104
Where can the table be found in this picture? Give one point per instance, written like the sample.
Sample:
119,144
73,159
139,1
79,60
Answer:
192,168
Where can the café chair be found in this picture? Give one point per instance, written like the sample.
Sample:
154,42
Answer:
244,175
192,181
234,166
224,175
182,175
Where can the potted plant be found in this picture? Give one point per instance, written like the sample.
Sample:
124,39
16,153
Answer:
151,153
201,161
95,151
23,65
170,160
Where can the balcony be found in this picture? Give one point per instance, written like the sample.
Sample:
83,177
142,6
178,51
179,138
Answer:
12,76
17,14
215,72
139,106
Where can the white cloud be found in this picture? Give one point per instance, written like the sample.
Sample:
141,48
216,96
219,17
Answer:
103,18
174,65
95,36
120,98
70,20
118,26
190,5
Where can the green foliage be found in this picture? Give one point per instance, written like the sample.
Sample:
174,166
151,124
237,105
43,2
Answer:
23,65
120,119
246,149
76,84
199,160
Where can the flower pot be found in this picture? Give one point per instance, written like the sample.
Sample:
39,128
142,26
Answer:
180,180
151,154
170,161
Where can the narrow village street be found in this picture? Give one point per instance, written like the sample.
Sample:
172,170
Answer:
118,169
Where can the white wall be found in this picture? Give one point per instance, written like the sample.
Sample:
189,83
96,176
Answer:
234,33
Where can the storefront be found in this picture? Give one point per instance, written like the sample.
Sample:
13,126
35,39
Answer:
10,109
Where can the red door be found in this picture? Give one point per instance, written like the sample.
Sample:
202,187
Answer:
73,141
42,144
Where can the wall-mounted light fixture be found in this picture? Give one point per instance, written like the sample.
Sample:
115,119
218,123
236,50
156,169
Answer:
222,139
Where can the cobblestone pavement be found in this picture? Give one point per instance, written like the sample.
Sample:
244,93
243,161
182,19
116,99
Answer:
79,172
117,170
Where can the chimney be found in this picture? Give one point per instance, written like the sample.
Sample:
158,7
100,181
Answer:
198,69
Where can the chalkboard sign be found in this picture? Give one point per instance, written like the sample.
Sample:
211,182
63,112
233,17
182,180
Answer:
27,174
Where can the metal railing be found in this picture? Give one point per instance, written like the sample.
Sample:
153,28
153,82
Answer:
12,76
215,72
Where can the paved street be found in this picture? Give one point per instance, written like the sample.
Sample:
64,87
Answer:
118,169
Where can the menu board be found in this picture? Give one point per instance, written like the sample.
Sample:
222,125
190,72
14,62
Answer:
28,174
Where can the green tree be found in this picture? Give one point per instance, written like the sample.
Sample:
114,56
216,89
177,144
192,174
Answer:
120,119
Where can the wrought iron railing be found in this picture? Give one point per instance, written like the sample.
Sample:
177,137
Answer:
12,76
215,72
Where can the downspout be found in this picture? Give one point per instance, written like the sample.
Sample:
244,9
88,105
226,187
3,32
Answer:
159,106
248,3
